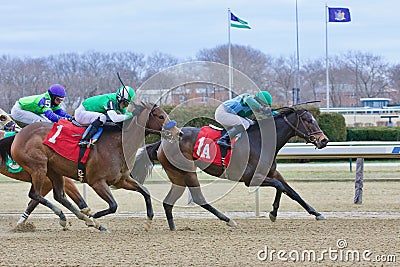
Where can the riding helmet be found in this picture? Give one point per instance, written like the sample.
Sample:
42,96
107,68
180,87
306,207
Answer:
125,94
56,90
264,97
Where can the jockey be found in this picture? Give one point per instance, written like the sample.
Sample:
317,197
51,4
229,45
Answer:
95,109
235,113
45,107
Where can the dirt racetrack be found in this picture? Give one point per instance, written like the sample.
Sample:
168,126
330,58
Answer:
198,242
352,235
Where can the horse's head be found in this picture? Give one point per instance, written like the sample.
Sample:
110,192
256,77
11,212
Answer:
160,123
305,126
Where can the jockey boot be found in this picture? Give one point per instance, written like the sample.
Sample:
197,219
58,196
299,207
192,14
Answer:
224,141
89,133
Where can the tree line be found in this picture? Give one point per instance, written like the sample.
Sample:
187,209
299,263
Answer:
92,73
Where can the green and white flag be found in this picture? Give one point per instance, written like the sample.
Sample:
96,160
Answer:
238,23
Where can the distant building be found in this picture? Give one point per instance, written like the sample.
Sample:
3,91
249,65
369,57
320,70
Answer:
375,102
188,94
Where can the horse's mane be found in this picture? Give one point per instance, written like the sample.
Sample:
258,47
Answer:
137,110
286,111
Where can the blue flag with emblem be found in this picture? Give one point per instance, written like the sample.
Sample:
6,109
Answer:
339,14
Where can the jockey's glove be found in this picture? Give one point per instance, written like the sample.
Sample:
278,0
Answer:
128,115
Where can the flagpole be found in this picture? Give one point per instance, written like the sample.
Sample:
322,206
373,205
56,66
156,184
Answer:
298,57
326,57
229,55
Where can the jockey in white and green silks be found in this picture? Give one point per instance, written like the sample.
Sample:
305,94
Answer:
234,113
95,109
45,107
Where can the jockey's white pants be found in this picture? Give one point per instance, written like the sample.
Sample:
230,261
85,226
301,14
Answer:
87,117
229,120
26,116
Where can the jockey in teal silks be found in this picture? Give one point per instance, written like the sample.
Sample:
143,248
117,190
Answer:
94,111
234,113
45,107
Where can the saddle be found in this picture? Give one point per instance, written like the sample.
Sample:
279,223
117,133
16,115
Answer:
206,148
63,138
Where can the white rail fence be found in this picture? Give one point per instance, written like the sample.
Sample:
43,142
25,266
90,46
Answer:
340,150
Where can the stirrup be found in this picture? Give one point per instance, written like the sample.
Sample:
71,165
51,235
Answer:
224,144
84,143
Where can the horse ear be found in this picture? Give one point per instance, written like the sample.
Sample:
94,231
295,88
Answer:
147,105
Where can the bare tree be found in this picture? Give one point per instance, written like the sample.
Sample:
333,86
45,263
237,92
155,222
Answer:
369,73
254,63
313,77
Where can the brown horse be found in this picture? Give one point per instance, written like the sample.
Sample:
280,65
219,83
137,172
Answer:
7,124
70,189
108,162
253,161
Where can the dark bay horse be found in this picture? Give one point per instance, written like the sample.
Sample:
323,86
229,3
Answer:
108,162
253,161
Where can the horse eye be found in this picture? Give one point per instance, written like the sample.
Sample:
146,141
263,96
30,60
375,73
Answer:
161,117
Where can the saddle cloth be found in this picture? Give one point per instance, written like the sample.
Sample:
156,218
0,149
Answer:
63,138
206,148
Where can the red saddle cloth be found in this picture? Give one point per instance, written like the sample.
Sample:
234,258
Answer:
206,148
63,138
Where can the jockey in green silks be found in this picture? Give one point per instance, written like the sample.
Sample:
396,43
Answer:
44,107
94,111
234,113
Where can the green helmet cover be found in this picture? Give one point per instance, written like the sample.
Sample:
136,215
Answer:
264,97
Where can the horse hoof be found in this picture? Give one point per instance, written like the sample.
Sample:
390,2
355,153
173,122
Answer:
63,223
87,212
147,224
272,217
320,217
21,221
103,230
231,223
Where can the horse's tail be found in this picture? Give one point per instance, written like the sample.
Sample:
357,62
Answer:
144,161
5,148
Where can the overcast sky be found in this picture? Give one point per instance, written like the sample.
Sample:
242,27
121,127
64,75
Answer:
36,28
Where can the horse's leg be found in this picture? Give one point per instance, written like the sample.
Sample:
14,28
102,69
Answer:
290,192
46,187
102,189
70,189
279,189
73,192
173,195
275,205
194,187
131,184
59,195
35,193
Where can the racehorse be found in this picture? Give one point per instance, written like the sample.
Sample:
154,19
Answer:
107,164
246,167
7,124
70,189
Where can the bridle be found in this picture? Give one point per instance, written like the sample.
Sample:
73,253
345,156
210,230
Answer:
309,136
164,132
